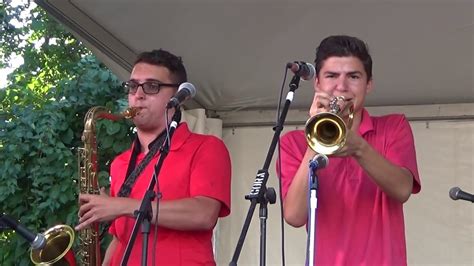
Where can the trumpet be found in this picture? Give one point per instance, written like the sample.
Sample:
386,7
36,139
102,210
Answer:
326,132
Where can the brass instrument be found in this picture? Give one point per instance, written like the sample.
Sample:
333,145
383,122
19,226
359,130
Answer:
326,132
89,238
59,239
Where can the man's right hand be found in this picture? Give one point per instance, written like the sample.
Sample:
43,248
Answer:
320,103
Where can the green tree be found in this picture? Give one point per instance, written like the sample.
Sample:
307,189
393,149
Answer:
41,122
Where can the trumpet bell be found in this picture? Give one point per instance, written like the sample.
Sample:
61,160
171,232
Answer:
59,240
326,133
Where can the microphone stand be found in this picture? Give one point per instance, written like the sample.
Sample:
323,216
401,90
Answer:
144,213
313,203
259,193
36,241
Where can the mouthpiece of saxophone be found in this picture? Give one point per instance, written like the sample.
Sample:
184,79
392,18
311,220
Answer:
131,112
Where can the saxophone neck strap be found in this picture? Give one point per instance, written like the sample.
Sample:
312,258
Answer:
134,172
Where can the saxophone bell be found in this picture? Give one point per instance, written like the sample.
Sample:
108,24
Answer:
57,250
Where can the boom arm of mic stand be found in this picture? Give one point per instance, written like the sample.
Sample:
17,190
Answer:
259,194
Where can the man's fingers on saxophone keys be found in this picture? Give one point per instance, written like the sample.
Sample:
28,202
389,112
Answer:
85,221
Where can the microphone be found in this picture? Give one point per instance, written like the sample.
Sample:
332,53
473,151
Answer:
321,160
456,193
185,91
37,241
302,69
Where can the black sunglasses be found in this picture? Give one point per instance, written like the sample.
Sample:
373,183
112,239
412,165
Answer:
149,87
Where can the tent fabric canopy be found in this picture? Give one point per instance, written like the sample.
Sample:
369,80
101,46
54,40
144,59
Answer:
236,51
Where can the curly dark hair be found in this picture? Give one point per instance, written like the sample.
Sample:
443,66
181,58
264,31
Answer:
166,59
342,46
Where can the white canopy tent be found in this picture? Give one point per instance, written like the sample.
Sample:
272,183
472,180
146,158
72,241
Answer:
235,53
235,50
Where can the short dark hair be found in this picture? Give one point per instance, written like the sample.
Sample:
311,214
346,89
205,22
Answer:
343,46
166,59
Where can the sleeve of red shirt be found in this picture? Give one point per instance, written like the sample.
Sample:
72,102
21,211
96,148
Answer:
291,152
211,173
401,148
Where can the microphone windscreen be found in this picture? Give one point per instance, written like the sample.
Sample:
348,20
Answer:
322,160
453,193
188,86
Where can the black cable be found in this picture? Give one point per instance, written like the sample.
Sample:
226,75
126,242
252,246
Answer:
176,117
282,222
158,196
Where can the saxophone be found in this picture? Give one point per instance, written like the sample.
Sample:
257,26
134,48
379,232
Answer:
59,239
89,238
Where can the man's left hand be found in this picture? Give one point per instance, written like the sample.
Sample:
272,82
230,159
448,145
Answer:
353,146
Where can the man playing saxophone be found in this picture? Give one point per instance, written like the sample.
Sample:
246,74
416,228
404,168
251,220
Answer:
194,180
361,192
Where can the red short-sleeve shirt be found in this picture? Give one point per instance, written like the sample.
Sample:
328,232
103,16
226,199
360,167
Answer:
356,222
197,165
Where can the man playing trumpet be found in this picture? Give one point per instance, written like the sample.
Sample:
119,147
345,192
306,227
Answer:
361,192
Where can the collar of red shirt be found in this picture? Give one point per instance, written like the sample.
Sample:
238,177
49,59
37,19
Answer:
180,136
366,124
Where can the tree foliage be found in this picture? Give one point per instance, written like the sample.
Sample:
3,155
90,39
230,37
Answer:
41,122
